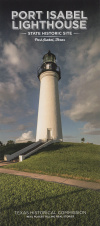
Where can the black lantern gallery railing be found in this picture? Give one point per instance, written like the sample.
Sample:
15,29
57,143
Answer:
49,67
49,64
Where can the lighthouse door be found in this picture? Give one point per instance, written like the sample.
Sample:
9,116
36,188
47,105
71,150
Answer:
49,134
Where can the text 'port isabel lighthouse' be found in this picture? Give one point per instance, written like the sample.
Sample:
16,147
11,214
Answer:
49,119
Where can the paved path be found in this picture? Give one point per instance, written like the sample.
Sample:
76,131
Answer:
72,182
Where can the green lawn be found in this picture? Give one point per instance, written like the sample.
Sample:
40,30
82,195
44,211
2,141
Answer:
22,197
73,160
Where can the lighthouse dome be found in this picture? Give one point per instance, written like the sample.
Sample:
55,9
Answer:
49,57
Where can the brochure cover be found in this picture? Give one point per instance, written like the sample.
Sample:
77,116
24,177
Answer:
68,31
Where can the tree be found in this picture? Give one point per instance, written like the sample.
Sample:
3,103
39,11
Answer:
83,139
1,144
29,142
10,142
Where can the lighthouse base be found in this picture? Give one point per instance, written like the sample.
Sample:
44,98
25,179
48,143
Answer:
53,140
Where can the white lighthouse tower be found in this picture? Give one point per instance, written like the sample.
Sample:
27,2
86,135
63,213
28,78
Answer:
49,119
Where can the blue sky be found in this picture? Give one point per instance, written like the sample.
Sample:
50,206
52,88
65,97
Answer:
79,87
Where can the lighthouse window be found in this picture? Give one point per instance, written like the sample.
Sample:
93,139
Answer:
52,58
50,66
46,58
47,66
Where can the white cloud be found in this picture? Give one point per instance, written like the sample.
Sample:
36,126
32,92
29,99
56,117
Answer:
18,64
25,137
11,53
92,128
95,132
21,54
83,90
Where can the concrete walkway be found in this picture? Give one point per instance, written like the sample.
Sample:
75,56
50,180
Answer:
71,182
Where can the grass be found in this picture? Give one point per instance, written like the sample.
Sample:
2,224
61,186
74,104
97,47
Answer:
22,197
69,160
